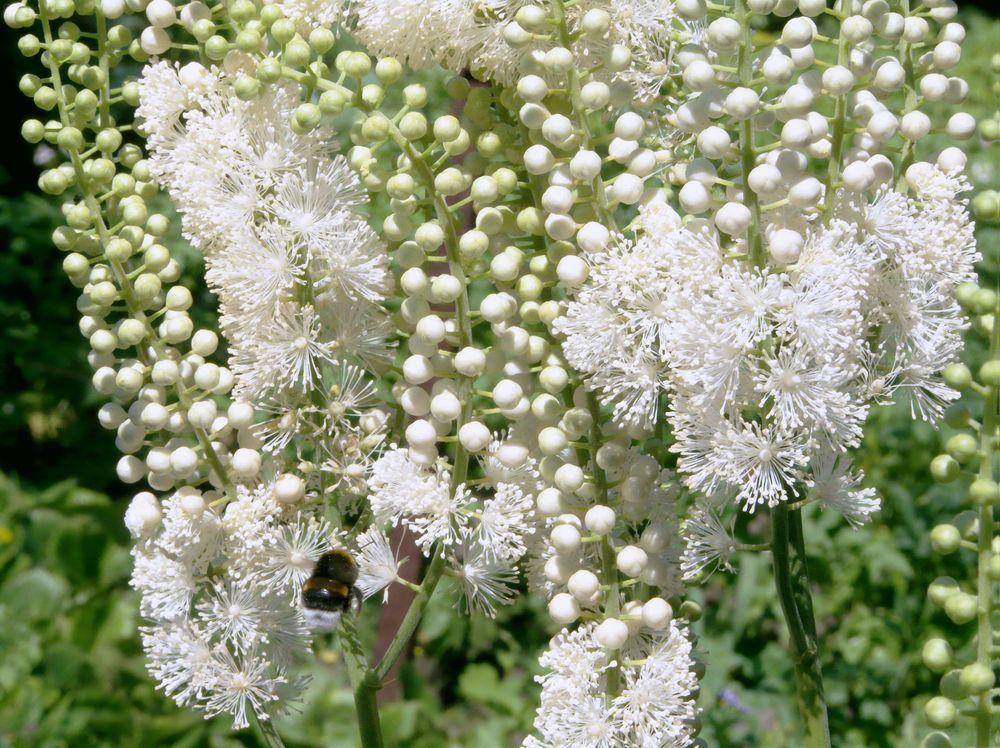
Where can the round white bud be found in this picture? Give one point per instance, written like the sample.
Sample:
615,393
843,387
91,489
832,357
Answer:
742,103
289,489
202,414
474,436
856,29
724,33
532,88
695,197
415,401
692,10
154,416
130,469
946,55
915,29
154,40
568,478
421,434
714,142
699,75
553,378
204,342
627,188
778,69
470,361
838,80
507,393
961,126
883,125
796,133
952,160
430,330
785,246
934,86
245,462
550,502
240,415
593,237
557,199
657,613
538,159
559,226
858,176
552,440
889,76
631,560
600,519
585,165
565,539
612,634
445,406
417,369
557,129
572,271
595,95
914,125
564,609
765,179
584,585
629,126
183,460
806,192
733,218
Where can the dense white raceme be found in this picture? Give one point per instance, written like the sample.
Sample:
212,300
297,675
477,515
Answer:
224,642
300,279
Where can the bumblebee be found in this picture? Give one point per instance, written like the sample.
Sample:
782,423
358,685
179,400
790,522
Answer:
330,590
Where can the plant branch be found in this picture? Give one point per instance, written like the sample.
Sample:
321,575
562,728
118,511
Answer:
791,579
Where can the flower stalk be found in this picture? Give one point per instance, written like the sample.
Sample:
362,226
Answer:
791,578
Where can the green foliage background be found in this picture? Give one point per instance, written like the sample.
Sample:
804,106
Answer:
71,670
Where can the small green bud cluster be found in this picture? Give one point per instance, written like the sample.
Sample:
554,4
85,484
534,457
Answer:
969,459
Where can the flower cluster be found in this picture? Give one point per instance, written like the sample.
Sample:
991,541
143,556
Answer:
778,306
652,708
641,220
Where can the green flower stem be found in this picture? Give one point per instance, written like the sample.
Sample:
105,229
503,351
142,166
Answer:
791,579
411,620
987,527
364,686
267,732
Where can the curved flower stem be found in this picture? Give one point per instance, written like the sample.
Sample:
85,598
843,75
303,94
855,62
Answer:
268,732
791,579
412,619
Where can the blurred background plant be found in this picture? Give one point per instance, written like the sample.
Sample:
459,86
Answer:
71,670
